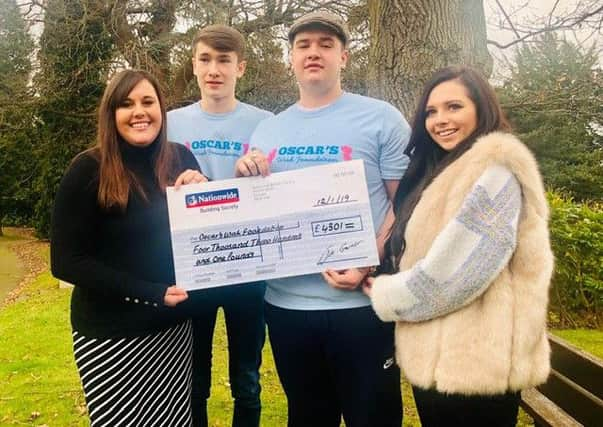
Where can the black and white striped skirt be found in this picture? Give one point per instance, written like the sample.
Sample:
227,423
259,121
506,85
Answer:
139,381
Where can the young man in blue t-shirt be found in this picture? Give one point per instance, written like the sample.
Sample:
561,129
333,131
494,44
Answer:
217,130
333,355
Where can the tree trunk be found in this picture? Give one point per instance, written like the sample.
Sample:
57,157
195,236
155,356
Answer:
411,39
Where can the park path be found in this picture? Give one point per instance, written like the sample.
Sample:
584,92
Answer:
22,259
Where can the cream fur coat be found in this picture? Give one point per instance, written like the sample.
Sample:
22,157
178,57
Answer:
498,342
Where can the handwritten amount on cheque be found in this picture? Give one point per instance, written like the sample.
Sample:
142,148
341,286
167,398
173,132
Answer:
239,249
217,247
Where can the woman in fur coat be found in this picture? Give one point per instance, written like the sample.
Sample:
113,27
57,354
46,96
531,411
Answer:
468,262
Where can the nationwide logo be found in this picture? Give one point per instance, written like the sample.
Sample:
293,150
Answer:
209,198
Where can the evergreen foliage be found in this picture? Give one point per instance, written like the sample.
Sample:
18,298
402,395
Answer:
75,53
554,100
577,241
17,164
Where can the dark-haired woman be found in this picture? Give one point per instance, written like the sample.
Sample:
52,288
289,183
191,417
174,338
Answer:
110,238
468,262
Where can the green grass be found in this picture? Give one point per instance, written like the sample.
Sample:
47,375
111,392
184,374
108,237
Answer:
39,384
38,379
589,340
274,406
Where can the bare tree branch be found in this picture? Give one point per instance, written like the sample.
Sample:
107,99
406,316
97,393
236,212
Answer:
504,12
590,13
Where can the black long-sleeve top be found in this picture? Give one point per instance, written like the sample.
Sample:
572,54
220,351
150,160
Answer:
119,261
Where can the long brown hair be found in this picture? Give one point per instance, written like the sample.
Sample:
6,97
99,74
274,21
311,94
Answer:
115,180
428,159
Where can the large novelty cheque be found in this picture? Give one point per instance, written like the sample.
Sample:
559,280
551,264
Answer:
287,224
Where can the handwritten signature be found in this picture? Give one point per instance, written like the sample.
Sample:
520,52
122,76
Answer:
332,250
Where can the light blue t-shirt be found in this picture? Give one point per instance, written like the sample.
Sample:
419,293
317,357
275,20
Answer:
352,127
216,140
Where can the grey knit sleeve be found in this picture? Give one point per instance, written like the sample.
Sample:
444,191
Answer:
463,260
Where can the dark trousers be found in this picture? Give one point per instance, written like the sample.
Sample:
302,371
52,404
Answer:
439,409
333,363
243,307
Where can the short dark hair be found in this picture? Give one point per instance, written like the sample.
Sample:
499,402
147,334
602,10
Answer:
222,38
428,159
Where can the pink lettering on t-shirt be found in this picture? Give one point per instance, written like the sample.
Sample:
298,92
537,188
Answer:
271,155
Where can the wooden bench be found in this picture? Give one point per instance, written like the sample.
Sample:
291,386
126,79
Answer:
573,394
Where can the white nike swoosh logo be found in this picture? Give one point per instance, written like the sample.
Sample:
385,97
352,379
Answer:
389,362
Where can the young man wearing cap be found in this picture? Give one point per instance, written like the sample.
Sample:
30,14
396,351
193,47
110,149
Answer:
217,130
333,355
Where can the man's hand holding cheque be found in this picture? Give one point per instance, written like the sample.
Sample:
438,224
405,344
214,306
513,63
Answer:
253,163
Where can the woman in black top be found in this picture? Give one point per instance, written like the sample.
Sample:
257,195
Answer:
110,237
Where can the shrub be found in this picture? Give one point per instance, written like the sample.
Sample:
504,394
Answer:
577,241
